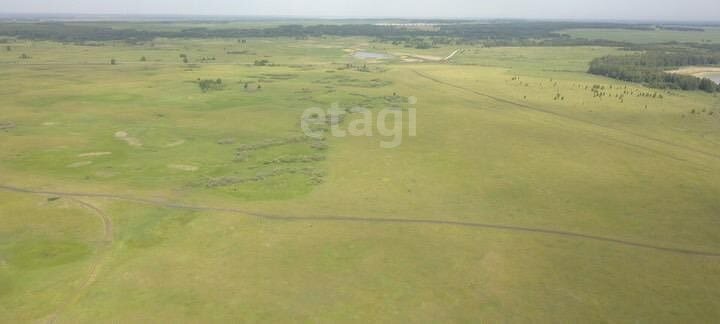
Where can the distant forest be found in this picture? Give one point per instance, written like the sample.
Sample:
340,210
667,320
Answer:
500,33
650,68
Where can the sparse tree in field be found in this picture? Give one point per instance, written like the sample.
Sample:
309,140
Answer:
113,62
24,56
143,59
8,48
259,87
246,85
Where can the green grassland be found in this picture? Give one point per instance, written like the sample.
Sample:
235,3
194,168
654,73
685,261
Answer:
293,229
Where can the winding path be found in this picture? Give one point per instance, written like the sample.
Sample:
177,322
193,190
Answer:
107,222
350,219
96,266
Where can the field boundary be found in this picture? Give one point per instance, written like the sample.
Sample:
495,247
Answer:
351,219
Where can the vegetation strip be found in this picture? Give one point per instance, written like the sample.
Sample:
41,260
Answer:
512,228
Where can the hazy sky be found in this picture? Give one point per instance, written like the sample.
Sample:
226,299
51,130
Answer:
578,9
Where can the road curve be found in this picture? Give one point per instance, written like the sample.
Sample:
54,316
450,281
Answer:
351,219
95,267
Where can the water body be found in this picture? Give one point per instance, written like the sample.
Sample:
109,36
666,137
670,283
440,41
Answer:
713,76
370,55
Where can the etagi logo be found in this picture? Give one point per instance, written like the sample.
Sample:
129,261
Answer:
388,122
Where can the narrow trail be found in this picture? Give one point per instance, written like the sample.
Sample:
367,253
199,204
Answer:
447,58
107,222
350,219
101,258
579,120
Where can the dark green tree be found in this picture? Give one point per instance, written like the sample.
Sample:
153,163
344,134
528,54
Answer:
708,85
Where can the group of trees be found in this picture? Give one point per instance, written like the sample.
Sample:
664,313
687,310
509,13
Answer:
681,28
207,85
210,84
650,68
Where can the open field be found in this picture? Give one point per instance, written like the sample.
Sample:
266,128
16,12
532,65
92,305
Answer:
129,194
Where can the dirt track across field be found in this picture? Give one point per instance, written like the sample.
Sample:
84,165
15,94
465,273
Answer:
96,266
350,219
706,154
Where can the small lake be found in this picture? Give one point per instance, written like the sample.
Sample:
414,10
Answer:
370,55
713,76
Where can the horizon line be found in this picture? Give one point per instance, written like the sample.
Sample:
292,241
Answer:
220,17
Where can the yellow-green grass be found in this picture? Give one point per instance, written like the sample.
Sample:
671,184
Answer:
494,146
46,249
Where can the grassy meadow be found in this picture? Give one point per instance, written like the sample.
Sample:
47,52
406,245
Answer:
294,229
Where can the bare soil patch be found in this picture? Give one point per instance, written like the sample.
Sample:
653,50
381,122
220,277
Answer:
79,164
183,167
5,125
94,154
176,143
132,141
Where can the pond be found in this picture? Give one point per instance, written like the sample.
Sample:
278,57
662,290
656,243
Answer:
370,55
712,76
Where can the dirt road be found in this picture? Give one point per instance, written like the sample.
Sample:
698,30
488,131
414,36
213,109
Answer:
351,219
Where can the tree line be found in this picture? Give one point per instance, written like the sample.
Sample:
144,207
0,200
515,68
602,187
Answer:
650,68
502,32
